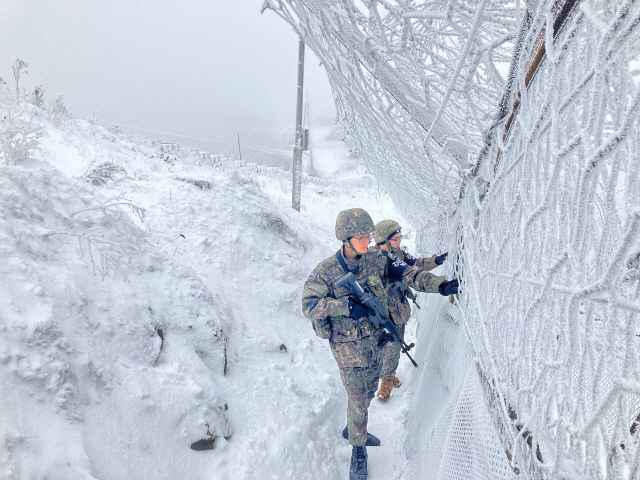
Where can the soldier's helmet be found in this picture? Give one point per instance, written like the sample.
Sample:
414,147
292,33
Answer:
353,223
385,230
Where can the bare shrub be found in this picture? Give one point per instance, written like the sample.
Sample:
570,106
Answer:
106,171
59,113
19,68
37,97
104,254
114,217
20,132
201,184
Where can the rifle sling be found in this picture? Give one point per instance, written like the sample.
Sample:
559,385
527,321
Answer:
343,264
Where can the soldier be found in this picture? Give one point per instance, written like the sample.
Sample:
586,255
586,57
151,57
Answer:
353,339
388,236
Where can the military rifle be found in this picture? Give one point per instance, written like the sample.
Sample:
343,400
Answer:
378,316
408,292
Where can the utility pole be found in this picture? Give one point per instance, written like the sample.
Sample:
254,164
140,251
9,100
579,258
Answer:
239,151
296,170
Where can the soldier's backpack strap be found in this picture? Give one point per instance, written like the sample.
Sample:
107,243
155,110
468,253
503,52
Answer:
408,258
343,264
389,257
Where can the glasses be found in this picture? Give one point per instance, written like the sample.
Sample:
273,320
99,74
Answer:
363,239
397,239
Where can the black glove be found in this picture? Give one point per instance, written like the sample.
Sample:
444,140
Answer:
449,287
441,258
358,310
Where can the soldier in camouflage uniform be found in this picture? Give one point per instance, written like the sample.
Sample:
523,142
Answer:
388,235
342,320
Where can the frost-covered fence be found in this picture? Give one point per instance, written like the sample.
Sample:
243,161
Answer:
555,244
414,91
508,134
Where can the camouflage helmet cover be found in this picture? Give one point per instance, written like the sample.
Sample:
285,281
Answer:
352,223
385,230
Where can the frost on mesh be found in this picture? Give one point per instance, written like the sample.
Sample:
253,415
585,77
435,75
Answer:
416,85
508,135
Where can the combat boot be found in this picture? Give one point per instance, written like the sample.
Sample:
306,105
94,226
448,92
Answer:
385,389
397,383
358,469
372,440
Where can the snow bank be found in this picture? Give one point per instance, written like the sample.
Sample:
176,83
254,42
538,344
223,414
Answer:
286,403
149,302
97,369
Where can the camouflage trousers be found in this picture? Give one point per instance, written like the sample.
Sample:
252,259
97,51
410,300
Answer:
391,355
361,384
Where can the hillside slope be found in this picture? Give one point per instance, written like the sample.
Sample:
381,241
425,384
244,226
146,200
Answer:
148,304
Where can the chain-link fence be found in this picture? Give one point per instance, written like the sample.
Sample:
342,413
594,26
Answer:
507,133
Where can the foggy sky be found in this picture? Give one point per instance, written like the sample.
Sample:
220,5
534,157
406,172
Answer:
213,66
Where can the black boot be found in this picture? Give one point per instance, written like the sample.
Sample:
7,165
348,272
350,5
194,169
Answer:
372,440
358,469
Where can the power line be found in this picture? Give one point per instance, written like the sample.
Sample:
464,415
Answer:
265,147
266,150
155,131
213,139
260,148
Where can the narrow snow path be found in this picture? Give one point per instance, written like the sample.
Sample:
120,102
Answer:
287,406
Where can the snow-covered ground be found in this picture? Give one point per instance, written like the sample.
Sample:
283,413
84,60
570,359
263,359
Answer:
113,375
330,155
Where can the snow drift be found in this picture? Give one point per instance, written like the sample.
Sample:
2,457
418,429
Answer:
153,300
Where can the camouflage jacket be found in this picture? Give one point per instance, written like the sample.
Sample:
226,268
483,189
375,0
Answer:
397,292
425,264
354,343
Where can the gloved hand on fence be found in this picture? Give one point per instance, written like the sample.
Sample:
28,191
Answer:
358,310
441,258
449,287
